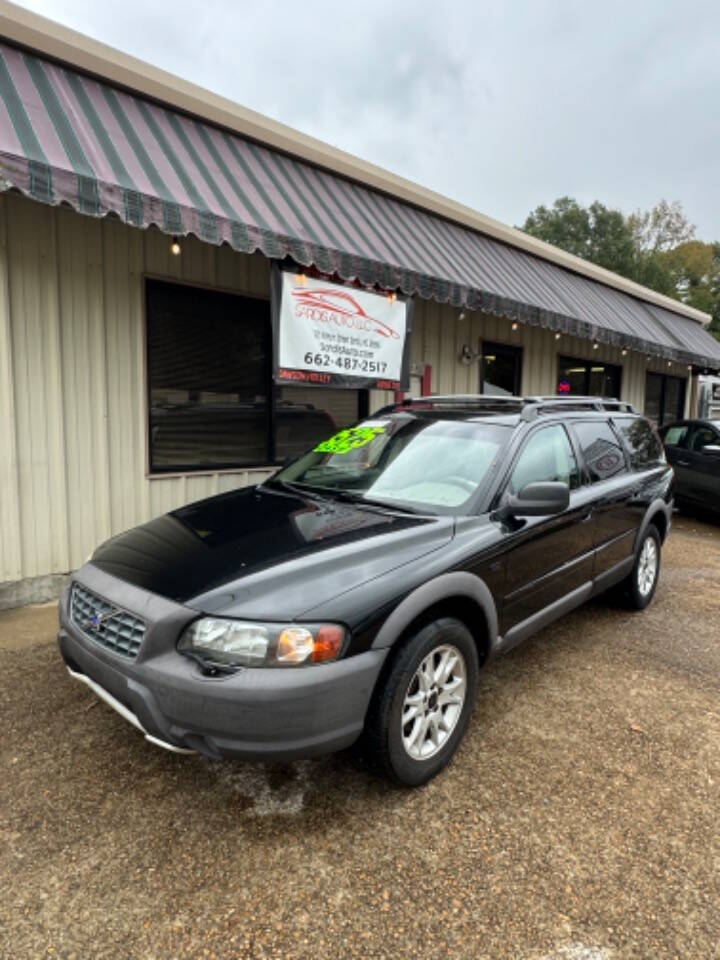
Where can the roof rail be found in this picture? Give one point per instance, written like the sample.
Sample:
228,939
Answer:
528,407
484,401
536,405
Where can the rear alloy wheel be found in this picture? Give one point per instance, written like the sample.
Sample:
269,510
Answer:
640,586
420,714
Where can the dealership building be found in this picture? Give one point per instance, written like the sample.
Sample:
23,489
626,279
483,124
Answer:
147,230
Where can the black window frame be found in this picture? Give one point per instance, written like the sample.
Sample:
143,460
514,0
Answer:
272,390
664,377
506,350
564,359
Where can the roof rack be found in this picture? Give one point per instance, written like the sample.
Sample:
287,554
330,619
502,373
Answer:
536,405
528,407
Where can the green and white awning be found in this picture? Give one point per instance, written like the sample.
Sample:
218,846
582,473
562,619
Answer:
70,138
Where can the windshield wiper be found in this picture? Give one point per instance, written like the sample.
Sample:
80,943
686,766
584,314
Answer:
325,494
351,497
298,488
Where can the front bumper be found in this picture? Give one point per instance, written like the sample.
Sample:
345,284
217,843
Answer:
270,713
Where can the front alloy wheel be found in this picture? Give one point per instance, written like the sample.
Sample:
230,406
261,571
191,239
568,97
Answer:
433,702
420,711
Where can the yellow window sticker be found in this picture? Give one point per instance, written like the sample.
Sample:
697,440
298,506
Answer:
350,439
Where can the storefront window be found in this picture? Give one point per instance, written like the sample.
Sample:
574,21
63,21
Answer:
500,369
664,398
306,415
209,385
588,378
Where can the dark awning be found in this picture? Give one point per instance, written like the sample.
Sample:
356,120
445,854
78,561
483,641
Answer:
68,138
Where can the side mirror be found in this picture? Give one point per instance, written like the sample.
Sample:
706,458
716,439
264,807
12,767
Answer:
711,450
539,500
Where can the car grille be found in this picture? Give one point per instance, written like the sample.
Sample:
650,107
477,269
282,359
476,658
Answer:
104,623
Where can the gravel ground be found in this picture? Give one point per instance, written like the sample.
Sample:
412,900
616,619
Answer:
579,820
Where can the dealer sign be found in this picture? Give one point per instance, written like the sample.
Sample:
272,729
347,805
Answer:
327,334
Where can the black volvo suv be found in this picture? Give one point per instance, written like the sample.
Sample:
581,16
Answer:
358,592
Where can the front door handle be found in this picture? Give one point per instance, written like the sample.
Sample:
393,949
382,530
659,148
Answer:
683,463
586,519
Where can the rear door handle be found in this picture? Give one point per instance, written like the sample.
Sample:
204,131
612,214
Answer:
683,463
586,519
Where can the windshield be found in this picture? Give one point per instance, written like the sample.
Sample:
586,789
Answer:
434,465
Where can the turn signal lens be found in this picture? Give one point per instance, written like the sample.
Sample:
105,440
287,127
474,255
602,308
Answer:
298,645
295,645
327,644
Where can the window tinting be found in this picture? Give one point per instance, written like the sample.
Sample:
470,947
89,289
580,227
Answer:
601,450
701,437
664,397
306,415
208,372
674,436
644,445
209,385
546,457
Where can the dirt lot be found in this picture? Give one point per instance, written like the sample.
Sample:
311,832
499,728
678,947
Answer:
580,820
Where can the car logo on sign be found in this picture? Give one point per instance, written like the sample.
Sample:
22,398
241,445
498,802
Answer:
341,309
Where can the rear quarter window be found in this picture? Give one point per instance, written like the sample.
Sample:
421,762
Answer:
601,449
643,443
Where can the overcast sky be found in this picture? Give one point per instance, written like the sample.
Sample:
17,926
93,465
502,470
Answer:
502,106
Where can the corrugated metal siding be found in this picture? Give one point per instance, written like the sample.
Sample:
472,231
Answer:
438,338
72,381
72,377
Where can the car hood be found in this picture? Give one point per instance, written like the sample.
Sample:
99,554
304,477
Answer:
265,553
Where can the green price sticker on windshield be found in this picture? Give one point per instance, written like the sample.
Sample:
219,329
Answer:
348,440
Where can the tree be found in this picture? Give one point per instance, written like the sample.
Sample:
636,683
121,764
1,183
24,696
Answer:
715,323
656,248
694,272
595,233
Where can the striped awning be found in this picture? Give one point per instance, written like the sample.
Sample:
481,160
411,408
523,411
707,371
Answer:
69,138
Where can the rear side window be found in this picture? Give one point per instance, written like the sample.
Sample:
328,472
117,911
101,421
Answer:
674,436
700,437
601,449
644,445
546,457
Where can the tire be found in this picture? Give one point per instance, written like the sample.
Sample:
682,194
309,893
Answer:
413,752
639,587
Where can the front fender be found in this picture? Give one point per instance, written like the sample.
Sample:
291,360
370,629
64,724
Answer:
443,587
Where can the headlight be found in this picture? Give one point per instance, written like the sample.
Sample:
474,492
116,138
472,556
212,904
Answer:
239,643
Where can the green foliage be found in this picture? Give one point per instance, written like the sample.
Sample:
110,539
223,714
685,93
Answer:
594,233
656,248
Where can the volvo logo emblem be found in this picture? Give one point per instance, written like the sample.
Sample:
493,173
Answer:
96,621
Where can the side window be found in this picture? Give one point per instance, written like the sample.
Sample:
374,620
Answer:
675,436
546,457
701,437
601,449
642,442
